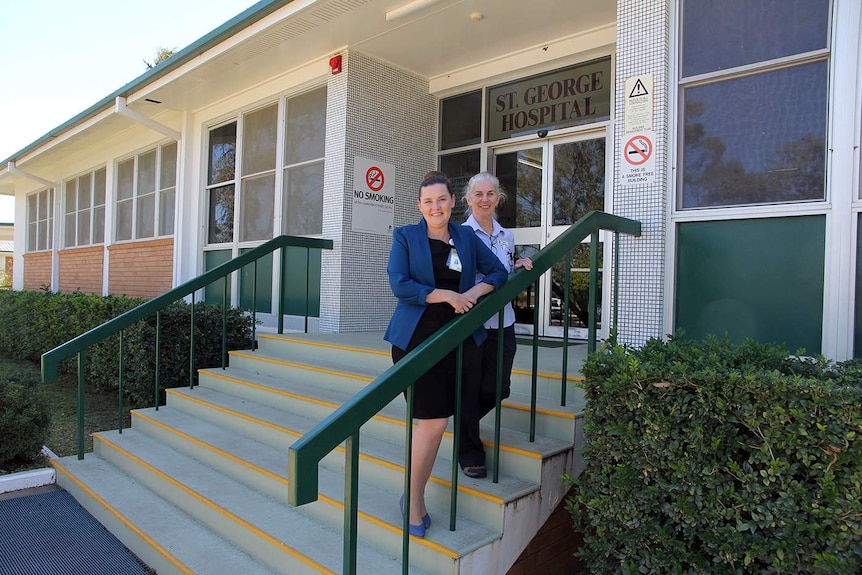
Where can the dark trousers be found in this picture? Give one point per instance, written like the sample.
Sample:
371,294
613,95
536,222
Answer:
479,393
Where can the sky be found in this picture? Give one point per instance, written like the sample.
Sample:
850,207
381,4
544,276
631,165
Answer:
58,58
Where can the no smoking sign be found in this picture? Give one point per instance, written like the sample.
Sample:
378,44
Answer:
638,160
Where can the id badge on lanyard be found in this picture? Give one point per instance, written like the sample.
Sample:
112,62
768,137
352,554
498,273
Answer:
453,262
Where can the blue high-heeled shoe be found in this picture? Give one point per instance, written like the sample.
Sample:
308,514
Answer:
416,530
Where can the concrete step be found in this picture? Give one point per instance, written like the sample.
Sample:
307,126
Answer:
285,538
374,355
164,537
264,468
524,456
381,461
280,381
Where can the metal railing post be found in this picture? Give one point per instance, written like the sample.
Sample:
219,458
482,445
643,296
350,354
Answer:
351,503
535,374
82,365
158,355
594,288
192,346
456,443
498,398
121,379
224,324
564,384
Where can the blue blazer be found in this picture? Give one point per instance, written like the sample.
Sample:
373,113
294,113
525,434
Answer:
411,275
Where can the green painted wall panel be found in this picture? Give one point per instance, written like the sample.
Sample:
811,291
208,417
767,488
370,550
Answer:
756,278
264,285
296,263
214,293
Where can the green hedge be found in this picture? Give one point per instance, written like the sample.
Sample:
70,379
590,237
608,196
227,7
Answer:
35,322
708,457
24,419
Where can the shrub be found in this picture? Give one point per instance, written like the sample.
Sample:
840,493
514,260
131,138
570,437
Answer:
36,322
24,421
717,458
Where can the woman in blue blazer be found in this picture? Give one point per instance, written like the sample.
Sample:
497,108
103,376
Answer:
432,271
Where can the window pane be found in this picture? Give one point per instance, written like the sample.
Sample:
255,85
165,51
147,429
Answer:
579,180
166,212
147,173
99,188
460,168
99,225
84,228
125,179
31,237
221,214
84,192
258,195
168,170
222,154
71,197
69,232
146,216
730,33
32,211
303,206
461,120
258,140
43,235
756,139
43,205
305,132
124,220
520,174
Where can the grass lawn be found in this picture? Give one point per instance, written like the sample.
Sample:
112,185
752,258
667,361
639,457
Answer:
100,412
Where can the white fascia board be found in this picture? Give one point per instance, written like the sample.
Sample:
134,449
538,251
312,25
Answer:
283,14
586,45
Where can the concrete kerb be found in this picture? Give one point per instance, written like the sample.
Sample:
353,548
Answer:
30,479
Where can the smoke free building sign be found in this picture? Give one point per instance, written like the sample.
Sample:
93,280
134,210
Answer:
638,159
373,197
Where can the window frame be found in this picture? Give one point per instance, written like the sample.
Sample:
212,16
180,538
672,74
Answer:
39,218
137,197
90,210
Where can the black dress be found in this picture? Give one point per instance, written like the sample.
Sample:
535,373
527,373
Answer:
434,392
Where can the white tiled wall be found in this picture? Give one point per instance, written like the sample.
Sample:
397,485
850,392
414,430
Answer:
382,113
643,47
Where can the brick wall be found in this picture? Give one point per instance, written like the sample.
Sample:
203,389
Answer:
81,269
37,270
551,552
141,269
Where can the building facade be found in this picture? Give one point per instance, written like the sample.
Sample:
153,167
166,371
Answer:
731,132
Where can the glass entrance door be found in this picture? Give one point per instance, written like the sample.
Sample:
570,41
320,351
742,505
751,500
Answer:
550,184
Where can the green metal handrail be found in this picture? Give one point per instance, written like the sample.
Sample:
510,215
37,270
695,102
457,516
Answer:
52,359
344,423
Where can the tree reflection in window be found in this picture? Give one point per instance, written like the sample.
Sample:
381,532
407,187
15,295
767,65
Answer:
221,214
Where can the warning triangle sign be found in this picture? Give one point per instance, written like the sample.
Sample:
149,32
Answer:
638,90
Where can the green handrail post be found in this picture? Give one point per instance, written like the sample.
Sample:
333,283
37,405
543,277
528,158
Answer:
82,364
120,382
307,284
535,374
224,325
192,345
498,400
616,256
593,309
254,307
408,476
282,277
351,503
158,355
456,440
566,322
